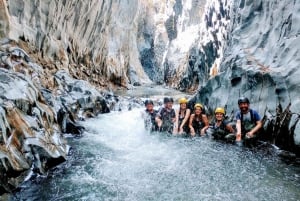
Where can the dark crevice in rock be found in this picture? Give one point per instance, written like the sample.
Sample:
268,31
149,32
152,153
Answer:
147,57
171,28
171,22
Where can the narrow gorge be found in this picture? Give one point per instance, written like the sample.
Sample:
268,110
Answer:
61,61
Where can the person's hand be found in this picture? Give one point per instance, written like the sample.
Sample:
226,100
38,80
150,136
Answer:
159,123
180,130
249,134
238,137
202,131
192,132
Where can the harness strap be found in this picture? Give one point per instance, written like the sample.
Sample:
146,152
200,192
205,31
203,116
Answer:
242,119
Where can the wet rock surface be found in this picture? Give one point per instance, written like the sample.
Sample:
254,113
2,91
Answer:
34,114
94,41
261,62
113,43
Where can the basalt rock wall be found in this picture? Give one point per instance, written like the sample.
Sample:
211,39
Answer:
194,56
94,41
34,119
261,61
111,43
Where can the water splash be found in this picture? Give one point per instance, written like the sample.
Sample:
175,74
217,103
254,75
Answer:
118,160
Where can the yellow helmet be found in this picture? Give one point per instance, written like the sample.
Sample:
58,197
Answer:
198,105
182,100
220,110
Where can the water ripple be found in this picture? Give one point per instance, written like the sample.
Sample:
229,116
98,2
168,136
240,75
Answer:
118,160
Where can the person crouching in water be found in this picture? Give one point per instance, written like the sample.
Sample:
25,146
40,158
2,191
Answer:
149,116
221,129
248,122
165,117
182,117
198,122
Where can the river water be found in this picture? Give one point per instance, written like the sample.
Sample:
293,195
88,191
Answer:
116,159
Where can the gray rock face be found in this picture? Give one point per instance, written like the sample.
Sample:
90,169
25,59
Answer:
122,43
261,61
94,41
194,55
29,135
35,113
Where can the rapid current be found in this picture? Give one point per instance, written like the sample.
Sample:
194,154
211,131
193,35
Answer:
116,159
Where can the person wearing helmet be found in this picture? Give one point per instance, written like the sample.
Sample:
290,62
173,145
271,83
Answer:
221,129
165,117
149,116
198,122
182,117
248,122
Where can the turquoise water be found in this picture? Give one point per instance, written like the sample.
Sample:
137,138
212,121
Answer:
116,159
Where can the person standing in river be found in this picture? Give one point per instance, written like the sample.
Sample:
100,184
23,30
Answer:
198,122
248,122
165,117
149,116
182,117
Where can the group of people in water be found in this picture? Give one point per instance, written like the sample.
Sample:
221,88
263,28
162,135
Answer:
194,122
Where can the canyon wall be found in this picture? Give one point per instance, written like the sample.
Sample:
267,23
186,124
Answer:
94,41
261,61
123,44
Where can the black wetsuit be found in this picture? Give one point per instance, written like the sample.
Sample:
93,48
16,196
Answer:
180,120
198,124
149,121
166,115
219,131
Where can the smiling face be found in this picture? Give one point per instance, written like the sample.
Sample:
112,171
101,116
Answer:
183,106
219,116
149,107
198,110
244,107
169,105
